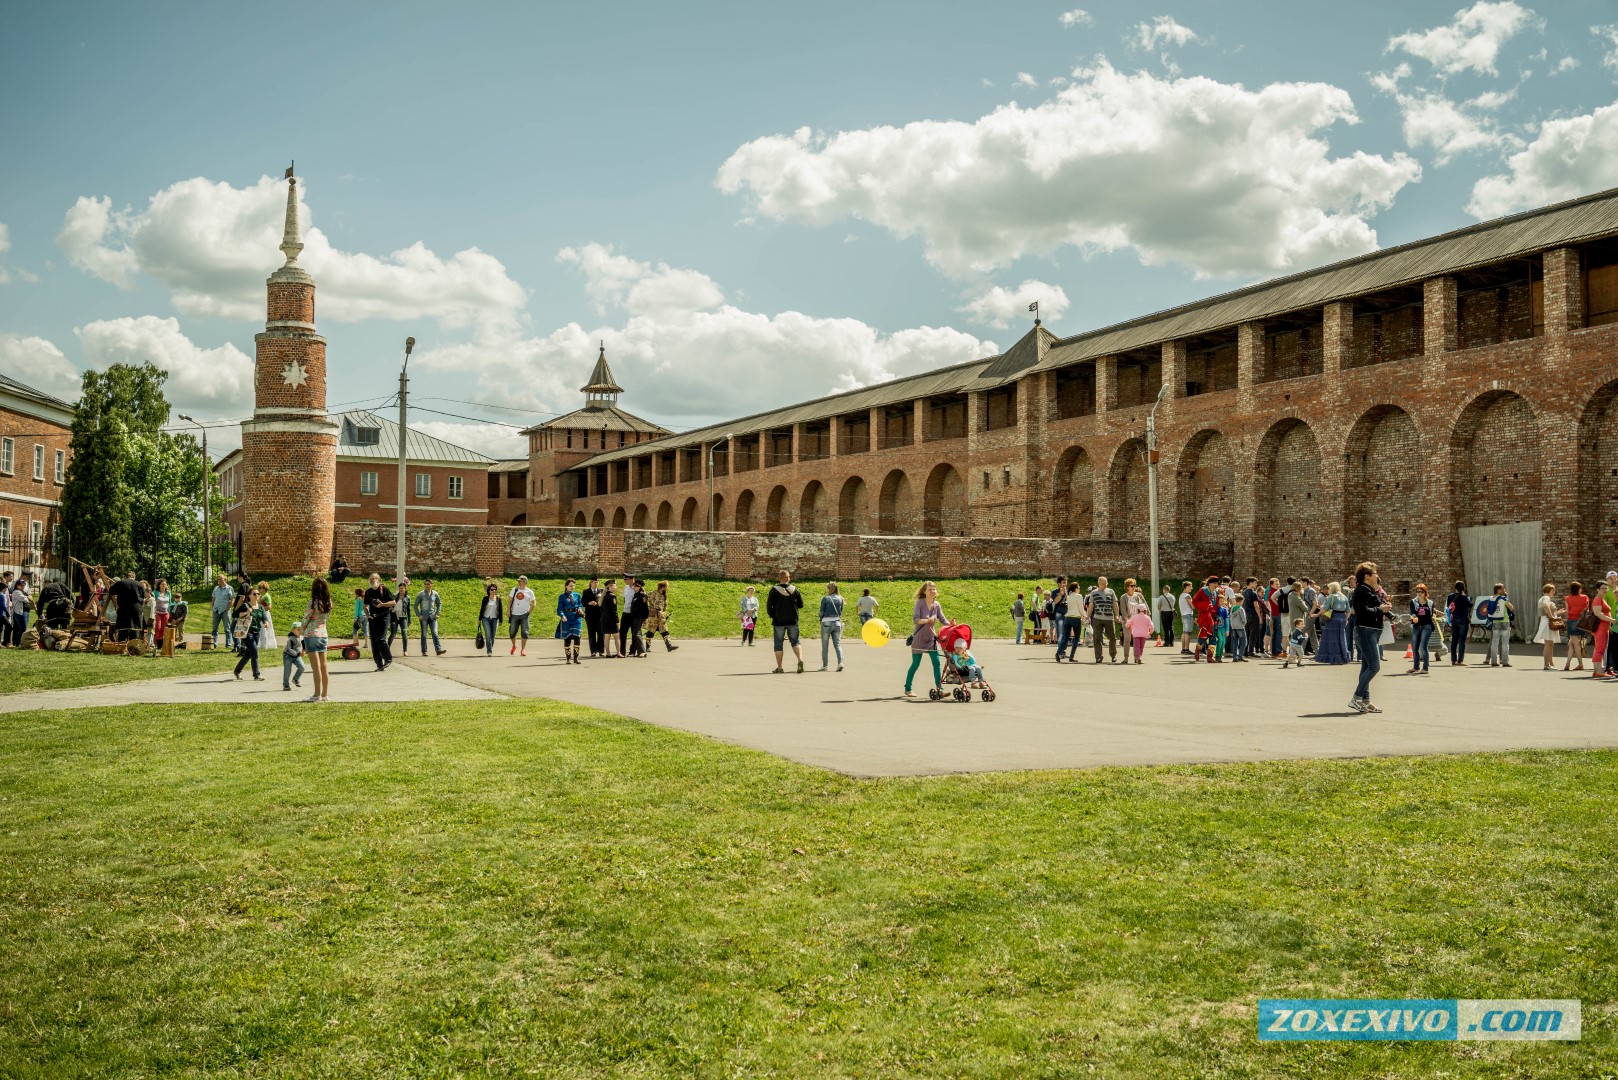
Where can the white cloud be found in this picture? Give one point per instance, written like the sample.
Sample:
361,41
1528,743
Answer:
6,273
1472,40
491,440
681,349
1388,81
1000,307
1564,65
1610,57
35,362
1450,128
1569,157
213,245
1025,79
1186,170
1162,30
1076,17
213,382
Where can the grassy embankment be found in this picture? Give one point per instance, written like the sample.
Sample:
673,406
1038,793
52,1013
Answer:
701,608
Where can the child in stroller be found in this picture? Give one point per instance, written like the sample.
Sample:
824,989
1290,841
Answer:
960,666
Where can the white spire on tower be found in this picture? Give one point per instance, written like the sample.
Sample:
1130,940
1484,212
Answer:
290,244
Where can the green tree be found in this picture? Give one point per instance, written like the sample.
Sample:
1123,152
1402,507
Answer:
133,497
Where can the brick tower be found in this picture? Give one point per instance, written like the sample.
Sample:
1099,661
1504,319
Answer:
289,447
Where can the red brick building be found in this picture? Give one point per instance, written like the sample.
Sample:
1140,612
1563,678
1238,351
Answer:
1380,408
557,446
34,437
448,484
508,492
288,466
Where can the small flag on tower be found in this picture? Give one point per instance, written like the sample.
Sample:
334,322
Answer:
1034,306
289,171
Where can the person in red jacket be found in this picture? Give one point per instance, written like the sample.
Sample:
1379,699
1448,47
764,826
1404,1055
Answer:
1203,603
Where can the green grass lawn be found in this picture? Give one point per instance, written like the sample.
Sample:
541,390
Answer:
534,888
701,608
23,670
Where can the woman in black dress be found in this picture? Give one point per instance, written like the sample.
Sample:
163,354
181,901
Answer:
609,619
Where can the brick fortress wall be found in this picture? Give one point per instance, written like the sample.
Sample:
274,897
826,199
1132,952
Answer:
492,550
1370,428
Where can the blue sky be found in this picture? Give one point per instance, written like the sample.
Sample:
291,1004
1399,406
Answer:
512,183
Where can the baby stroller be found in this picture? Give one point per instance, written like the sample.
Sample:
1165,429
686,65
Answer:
947,637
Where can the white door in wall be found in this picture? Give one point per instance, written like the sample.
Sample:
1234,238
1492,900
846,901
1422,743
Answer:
1509,554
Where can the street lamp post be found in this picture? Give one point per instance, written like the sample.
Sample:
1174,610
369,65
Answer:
207,490
711,446
404,437
1151,485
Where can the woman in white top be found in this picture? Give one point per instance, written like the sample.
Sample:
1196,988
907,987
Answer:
522,602
1547,634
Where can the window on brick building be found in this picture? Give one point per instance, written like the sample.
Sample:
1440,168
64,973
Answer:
424,485
39,462
5,533
8,448
36,537
61,466
367,483
454,486
620,438
367,436
570,440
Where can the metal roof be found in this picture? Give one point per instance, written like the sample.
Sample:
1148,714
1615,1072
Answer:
597,417
601,380
422,448
1575,221
23,390
510,465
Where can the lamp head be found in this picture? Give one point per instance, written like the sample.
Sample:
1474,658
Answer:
182,416
410,343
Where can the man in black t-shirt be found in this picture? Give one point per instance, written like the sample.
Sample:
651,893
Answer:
592,597
379,603
126,592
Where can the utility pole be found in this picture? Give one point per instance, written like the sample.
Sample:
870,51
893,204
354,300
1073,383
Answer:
711,446
1151,485
404,437
207,493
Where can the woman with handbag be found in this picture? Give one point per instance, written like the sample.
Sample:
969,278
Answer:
831,626
492,614
927,618
1550,625
1578,607
1334,606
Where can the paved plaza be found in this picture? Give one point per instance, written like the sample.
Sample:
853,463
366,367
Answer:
1046,715
1057,716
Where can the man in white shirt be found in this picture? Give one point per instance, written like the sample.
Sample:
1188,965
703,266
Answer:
1164,606
521,604
624,609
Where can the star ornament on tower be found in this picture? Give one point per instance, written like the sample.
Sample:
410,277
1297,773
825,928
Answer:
294,375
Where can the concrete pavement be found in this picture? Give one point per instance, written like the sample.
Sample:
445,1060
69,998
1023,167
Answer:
1050,715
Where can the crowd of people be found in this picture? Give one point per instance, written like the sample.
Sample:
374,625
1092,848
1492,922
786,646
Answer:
1219,620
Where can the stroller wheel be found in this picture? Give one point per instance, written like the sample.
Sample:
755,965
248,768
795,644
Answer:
988,695
962,694
936,694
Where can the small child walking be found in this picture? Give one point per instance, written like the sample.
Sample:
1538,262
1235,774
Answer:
359,616
1295,642
1140,628
292,658
1238,633
1221,628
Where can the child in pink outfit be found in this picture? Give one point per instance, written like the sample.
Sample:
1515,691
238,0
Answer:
1140,628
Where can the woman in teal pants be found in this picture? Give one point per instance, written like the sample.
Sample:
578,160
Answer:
928,617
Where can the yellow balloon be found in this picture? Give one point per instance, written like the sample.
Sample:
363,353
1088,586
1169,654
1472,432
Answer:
875,633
